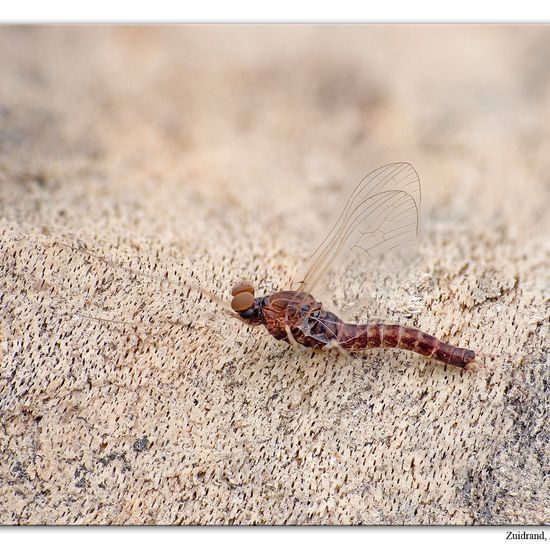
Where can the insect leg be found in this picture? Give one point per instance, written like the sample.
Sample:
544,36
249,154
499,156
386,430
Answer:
334,344
160,280
290,336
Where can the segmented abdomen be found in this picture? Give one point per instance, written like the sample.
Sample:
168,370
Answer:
360,337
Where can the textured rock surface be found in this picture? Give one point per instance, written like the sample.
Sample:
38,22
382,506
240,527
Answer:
212,153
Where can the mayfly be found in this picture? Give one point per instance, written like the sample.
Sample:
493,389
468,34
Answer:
380,215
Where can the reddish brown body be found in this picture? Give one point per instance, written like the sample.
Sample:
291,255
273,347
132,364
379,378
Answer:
380,216
299,314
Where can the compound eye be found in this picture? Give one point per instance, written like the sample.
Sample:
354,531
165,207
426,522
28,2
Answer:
242,301
242,287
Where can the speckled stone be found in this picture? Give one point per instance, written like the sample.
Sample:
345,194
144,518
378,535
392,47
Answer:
208,155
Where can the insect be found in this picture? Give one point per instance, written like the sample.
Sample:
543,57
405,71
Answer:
380,215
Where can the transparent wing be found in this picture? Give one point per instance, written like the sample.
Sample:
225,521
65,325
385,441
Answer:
380,215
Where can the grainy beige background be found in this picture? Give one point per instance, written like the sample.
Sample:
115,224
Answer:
211,153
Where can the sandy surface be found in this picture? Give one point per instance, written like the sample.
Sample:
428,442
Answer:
208,154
